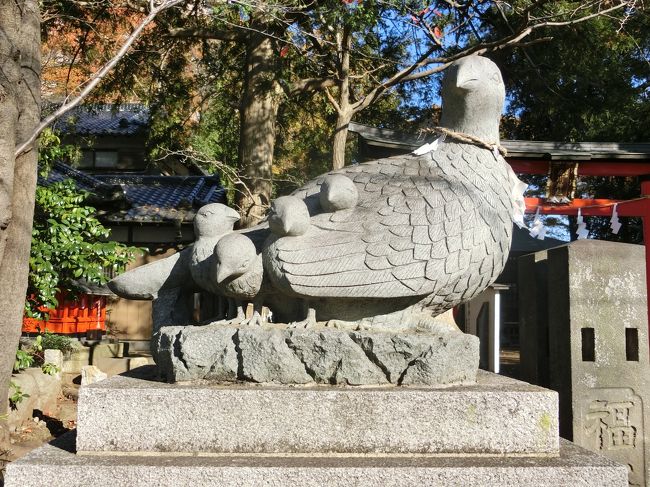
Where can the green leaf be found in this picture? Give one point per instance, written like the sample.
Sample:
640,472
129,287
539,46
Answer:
67,244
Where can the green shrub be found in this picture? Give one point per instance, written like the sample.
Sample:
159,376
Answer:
16,396
69,243
32,353
50,369
51,341
24,359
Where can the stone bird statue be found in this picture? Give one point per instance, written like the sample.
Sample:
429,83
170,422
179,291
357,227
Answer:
394,242
190,268
238,274
237,261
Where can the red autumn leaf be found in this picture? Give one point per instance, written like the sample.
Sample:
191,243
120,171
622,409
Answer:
437,12
284,51
414,19
437,32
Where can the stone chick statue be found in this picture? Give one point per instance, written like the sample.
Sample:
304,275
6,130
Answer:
190,269
394,242
237,262
238,274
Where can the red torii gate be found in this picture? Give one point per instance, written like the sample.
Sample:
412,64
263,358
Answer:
639,207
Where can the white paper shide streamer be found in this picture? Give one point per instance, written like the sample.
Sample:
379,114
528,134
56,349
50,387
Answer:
614,223
538,230
582,231
517,189
432,146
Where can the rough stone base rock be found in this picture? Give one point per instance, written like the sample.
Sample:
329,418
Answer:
323,356
57,466
495,416
91,374
41,392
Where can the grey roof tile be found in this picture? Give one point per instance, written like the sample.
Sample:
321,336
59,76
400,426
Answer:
122,120
144,198
394,139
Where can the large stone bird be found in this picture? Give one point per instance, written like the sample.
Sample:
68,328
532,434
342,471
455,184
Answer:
394,242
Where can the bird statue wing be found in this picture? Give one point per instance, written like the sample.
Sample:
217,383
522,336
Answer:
145,282
416,227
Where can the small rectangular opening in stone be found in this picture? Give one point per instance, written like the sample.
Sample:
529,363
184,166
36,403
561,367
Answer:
588,345
632,344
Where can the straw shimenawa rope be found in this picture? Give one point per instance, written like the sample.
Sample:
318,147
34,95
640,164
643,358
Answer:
467,139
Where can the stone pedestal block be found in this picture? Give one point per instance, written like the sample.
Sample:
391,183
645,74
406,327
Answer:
109,350
56,466
598,324
78,357
54,357
330,356
496,416
136,362
585,334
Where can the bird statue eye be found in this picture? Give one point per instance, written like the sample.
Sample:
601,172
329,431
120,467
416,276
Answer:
496,78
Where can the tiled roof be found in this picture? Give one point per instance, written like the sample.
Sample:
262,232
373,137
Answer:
160,198
144,198
123,120
84,182
393,139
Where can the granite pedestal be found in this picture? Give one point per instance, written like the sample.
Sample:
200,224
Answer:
56,465
496,416
136,431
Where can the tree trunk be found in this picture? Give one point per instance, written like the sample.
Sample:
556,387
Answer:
20,67
341,137
258,114
344,110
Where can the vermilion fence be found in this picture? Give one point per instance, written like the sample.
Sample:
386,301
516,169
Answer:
71,317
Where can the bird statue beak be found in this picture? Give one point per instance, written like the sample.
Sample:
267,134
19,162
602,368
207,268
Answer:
221,275
233,215
466,75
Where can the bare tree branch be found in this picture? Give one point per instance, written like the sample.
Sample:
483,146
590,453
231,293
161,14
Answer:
69,104
204,33
392,81
311,84
229,173
579,20
332,100
513,40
